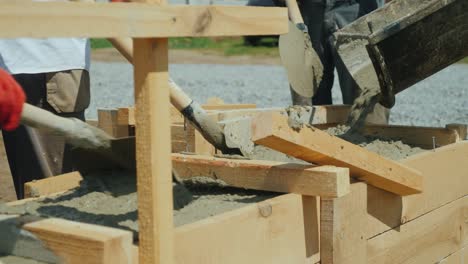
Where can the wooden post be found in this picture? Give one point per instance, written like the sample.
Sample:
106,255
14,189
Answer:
343,226
153,143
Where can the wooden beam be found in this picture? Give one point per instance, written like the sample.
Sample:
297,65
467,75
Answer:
427,239
76,243
319,114
342,227
311,211
316,146
222,107
108,121
326,181
423,137
52,185
268,232
445,179
106,20
459,257
153,148
126,115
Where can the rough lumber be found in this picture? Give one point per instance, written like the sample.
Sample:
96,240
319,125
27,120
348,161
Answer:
153,148
52,185
423,137
77,243
313,145
417,136
107,121
200,145
321,114
126,115
181,132
459,257
326,181
269,232
222,107
104,20
16,241
311,211
178,146
445,180
426,239
273,228
342,227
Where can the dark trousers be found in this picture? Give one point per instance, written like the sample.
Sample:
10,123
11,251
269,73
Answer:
33,154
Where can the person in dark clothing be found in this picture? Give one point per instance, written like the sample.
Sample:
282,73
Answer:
323,18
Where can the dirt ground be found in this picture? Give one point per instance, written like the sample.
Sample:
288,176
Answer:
7,191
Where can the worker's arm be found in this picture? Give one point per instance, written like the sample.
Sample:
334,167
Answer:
11,101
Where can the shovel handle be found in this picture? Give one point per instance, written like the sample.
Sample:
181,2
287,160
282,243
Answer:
179,99
294,12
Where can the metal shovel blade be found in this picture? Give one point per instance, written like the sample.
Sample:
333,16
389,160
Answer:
302,64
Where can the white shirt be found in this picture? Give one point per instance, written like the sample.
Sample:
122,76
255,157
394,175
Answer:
25,55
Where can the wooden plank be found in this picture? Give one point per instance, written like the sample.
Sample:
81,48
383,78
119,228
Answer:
311,211
423,137
108,121
222,107
445,179
126,116
181,132
57,19
427,239
153,148
52,185
178,146
417,136
77,243
201,145
326,181
321,114
314,145
459,257
342,228
92,122
266,233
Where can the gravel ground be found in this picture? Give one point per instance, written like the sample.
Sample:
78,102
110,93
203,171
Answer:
436,101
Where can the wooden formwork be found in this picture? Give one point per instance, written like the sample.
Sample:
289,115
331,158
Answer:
327,218
149,24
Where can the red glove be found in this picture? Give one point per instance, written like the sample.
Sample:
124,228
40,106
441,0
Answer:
11,101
